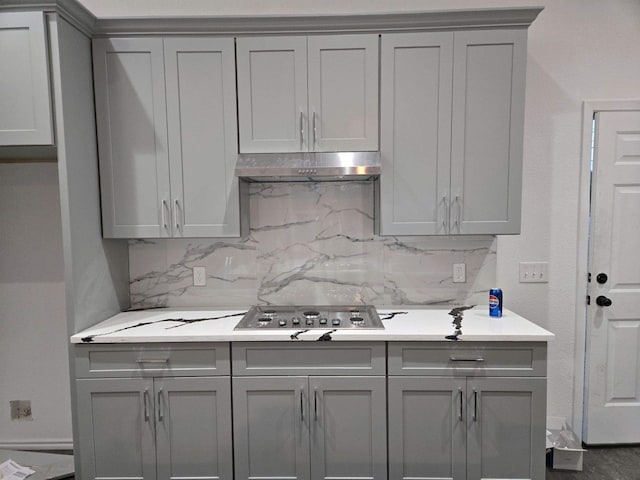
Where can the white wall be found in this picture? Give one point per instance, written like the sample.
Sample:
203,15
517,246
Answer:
33,330
578,50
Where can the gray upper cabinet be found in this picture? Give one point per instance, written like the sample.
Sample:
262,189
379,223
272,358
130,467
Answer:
486,142
203,136
132,137
167,137
272,94
317,93
452,112
415,132
25,93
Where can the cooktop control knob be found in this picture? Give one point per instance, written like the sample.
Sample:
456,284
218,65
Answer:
309,322
282,323
295,321
335,322
323,320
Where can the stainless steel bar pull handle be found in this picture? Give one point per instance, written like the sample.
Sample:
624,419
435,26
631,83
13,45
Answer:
160,413
445,213
164,215
315,404
475,406
301,403
456,223
461,393
456,359
152,360
301,131
145,399
177,210
315,133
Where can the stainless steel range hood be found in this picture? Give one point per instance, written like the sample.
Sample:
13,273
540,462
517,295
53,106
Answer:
303,167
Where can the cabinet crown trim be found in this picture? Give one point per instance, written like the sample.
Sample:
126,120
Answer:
82,18
307,24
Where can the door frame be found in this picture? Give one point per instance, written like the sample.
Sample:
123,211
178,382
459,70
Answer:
589,109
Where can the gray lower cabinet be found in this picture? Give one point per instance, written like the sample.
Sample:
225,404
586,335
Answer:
472,423
153,425
323,422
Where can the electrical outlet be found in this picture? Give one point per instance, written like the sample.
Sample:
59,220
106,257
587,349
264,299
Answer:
199,276
534,272
459,273
20,409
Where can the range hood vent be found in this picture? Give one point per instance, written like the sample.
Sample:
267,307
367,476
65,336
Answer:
308,167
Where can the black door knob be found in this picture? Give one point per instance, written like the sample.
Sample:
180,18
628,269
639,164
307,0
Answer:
603,301
602,278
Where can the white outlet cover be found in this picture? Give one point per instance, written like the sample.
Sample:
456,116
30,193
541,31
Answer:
459,273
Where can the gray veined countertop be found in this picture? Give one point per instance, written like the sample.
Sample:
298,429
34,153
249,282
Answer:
413,324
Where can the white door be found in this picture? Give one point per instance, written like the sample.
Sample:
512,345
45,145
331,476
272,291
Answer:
612,391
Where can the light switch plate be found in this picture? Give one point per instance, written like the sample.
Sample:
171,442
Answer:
199,277
459,273
534,272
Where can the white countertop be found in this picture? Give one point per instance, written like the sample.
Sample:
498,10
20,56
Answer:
157,325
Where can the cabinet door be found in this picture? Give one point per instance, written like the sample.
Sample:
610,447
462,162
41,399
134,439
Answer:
272,94
116,429
415,129
271,428
201,118
427,428
343,92
25,94
488,116
193,435
132,137
506,428
348,428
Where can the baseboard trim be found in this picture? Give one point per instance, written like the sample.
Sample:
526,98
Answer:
39,444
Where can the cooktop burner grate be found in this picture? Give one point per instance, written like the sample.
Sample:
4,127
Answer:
326,317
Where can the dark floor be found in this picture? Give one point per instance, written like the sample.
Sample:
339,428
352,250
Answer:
604,463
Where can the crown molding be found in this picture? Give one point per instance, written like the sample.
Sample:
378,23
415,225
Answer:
71,10
310,24
84,20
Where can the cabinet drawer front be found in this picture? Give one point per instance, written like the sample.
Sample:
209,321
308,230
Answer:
353,358
494,359
152,360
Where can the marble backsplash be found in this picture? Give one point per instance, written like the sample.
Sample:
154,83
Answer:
311,243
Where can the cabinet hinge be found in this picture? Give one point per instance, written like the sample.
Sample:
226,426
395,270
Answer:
589,277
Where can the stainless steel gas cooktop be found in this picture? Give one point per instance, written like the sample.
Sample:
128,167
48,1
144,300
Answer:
308,317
